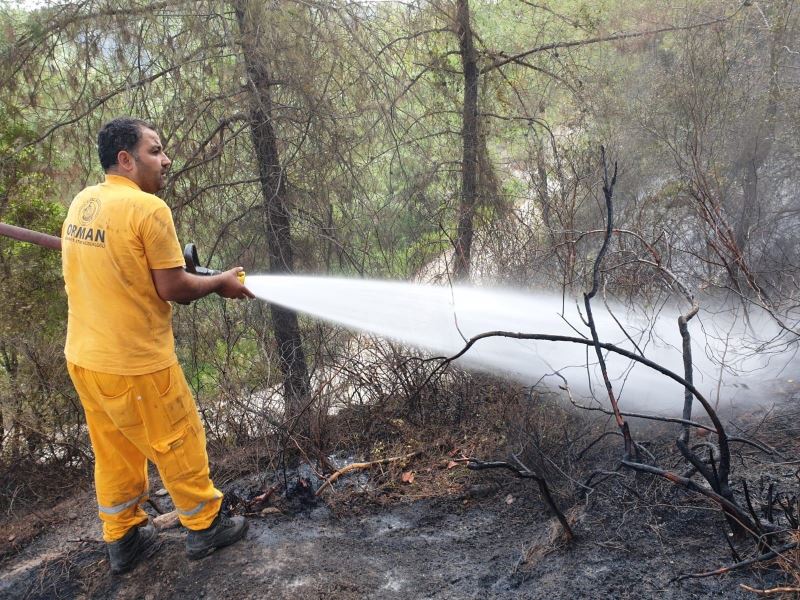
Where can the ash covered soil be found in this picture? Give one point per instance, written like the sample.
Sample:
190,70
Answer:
446,547
449,534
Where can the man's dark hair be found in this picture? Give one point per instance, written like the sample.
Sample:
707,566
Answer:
122,133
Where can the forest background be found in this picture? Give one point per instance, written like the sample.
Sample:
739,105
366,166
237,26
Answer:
422,141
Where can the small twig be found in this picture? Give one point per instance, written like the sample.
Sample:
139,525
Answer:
643,448
786,506
608,474
748,502
646,416
525,473
769,592
758,445
601,437
770,501
729,507
360,466
734,553
740,565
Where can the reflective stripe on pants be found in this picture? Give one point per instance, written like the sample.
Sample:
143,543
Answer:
117,508
136,418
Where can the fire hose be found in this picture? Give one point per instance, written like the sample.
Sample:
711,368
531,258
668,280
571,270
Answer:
52,242
33,237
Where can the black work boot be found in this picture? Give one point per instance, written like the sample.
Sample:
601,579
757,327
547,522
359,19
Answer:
139,542
224,531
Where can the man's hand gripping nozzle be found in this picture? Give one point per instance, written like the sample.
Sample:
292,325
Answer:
194,267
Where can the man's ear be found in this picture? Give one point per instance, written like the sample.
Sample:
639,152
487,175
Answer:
125,160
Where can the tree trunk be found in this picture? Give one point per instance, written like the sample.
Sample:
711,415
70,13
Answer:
9,406
757,146
469,161
277,219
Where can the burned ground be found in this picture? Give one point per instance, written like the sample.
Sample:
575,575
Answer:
448,547
450,533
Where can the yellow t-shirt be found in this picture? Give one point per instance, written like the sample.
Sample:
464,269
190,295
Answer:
113,235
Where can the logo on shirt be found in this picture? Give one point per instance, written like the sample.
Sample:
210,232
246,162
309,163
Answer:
89,210
82,234
85,235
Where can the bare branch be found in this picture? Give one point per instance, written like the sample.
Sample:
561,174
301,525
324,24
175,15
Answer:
609,38
525,473
741,565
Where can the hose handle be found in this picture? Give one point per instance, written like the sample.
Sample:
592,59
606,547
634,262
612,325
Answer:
193,262
194,267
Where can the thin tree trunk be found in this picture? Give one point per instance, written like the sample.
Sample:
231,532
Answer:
277,218
469,162
9,406
757,147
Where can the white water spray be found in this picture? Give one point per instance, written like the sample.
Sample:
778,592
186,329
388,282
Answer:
440,319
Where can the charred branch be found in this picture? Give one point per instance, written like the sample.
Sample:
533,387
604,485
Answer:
741,565
728,506
525,473
608,192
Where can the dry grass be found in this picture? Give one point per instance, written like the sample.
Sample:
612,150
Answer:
553,537
789,562
20,531
25,485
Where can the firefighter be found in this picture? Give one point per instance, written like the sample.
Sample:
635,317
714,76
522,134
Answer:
122,267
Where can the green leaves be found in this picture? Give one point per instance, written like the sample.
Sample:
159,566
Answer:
31,285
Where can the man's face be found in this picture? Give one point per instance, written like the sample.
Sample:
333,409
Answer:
151,164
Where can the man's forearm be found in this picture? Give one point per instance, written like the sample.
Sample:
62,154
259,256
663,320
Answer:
193,287
176,285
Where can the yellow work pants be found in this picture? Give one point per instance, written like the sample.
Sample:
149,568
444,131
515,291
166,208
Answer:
136,418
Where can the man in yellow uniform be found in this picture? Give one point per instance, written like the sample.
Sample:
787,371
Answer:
122,266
